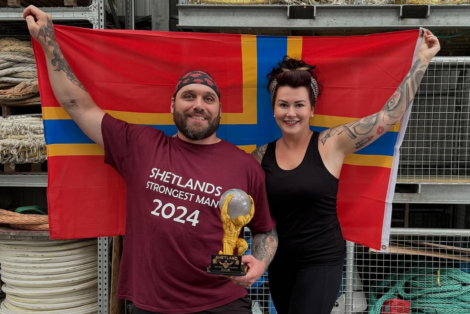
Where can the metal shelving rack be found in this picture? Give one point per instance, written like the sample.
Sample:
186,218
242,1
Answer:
90,14
23,180
232,17
94,14
224,16
356,17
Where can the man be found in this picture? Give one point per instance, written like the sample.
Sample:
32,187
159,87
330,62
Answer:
173,186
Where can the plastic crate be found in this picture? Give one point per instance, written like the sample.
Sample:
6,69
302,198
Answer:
396,306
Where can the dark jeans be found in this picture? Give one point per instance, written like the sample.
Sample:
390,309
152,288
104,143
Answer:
239,306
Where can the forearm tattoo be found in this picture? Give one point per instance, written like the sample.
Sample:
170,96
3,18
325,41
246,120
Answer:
265,246
400,101
365,129
47,31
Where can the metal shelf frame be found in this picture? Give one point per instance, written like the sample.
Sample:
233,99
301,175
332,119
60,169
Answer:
23,180
435,193
270,17
198,16
95,14
423,193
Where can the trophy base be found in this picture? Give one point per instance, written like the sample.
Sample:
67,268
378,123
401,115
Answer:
227,265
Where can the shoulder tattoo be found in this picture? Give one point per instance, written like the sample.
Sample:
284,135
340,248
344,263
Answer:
259,153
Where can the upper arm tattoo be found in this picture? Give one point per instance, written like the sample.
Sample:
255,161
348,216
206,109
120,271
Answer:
265,246
47,31
353,129
259,153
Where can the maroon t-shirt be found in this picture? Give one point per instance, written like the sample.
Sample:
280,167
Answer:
173,219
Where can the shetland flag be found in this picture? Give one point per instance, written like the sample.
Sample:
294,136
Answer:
131,75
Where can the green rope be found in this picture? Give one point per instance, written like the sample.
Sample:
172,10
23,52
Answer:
420,287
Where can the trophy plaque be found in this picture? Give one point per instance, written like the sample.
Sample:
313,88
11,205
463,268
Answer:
236,210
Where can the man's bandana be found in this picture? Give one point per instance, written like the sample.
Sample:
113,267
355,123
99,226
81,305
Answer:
196,77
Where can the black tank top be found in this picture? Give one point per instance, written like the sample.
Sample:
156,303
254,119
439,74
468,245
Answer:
303,202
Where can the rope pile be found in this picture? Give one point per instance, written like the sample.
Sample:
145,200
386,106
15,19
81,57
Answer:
22,140
429,291
23,221
18,74
53,277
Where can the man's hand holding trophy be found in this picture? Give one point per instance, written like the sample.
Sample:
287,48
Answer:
237,209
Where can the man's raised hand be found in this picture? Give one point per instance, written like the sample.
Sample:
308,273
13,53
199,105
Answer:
39,24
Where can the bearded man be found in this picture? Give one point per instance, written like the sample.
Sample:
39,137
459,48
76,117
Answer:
173,186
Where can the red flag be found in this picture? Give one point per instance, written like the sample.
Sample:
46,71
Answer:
131,75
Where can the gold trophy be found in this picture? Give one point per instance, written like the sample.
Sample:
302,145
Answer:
237,210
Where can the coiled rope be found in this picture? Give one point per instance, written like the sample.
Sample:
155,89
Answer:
17,63
22,221
54,277
429,291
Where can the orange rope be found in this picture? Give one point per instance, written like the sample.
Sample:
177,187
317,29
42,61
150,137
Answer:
9,217
42,227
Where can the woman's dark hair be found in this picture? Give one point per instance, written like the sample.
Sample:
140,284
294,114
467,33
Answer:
293,73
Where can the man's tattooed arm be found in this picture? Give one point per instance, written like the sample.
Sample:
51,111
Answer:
68,90
360,133
259,153
265,246
58,60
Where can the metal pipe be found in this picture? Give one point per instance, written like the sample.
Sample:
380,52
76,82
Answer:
130,14
348,292
451,60
103,276
430,232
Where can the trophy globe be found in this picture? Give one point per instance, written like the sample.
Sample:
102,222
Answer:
239,205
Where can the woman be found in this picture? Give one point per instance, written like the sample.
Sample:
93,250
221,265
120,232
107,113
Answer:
302,170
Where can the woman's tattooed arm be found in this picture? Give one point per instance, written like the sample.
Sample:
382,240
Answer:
360,133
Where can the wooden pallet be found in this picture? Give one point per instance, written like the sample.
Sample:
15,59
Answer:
23,168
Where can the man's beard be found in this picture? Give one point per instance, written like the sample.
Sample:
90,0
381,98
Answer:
192,133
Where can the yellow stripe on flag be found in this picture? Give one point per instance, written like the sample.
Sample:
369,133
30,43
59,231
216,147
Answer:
369,160
74,150
95,150
247,148
332,121
58,113
294,47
